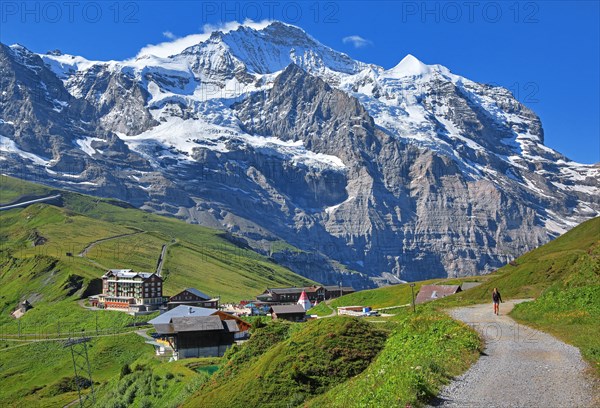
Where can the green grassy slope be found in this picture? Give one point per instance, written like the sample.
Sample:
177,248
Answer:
423,352
154,384
564,277
314,357
11,189
30,373
343,362
569,261
389,296
35,265
35,242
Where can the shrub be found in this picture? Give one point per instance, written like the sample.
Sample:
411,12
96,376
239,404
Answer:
125,370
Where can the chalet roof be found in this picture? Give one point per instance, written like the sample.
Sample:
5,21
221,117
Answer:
166,328
196,323
287,309
312,289
182,311
117,271
231,326
127,274
333,288
432,292
196,292
284,291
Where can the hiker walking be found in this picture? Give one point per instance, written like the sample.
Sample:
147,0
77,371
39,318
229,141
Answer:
496,298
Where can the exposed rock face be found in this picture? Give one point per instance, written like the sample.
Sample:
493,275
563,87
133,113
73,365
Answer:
120,101
397,194
274,137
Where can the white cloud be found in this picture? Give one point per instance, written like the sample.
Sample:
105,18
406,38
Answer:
176,45
357,41
169,35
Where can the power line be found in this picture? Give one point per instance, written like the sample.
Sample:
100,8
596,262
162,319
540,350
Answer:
81,368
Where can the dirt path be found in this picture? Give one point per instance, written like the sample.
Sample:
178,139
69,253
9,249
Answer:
520,367
94,243
162,256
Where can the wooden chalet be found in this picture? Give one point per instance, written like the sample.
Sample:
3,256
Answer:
314,293
293,313
189,331
192,297
198,336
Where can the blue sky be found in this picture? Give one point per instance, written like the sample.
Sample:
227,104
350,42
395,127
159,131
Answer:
546,52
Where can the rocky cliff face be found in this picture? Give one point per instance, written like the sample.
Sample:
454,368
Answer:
413,171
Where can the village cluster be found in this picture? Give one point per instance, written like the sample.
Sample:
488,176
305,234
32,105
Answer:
194,324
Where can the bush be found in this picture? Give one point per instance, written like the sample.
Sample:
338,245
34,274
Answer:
68,384
258,323
125,370
145,403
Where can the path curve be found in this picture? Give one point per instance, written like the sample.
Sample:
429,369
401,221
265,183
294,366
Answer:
94,243
520,367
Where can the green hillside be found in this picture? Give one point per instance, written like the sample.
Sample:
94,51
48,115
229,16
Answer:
284,365
37,239
342,362
562,276
422,353
569,261
40,248
395,296
31,373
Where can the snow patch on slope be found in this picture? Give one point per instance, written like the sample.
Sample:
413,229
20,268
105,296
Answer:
180,139
8,146
85,145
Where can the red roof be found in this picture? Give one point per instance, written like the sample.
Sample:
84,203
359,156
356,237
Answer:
303,296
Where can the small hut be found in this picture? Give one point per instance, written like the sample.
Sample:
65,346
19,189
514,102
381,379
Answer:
304,301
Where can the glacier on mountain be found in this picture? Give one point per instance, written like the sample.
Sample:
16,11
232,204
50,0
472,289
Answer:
271,135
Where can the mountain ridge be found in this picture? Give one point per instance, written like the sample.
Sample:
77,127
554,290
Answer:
432,175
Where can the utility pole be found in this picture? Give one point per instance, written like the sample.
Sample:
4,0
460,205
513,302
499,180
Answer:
81,368
412,289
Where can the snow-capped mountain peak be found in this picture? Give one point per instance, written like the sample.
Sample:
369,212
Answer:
272,48
265,131
409,66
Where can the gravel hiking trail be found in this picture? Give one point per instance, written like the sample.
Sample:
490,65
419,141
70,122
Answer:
520,367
